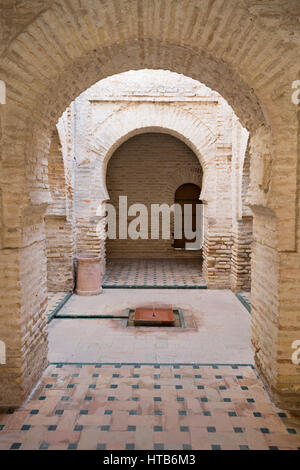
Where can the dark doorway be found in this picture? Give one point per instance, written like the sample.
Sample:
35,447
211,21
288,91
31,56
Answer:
187,194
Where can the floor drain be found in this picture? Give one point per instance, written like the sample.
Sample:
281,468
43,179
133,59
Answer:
155,317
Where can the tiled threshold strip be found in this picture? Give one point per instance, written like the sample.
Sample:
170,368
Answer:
244,301
52,313
116,406
154,286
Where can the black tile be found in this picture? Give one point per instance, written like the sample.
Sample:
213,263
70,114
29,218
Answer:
101,447
130,447
44,446
25,427
184,428
186,447
78,427
72,446
105,428
238,430
157,428
211,429
16,446
265,430
158,447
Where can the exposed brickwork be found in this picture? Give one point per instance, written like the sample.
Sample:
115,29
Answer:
241,255
246,50
59,234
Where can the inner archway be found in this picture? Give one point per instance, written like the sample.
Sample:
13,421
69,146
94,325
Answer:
147,169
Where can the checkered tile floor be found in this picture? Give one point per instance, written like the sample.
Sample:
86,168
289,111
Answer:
169,407
154,273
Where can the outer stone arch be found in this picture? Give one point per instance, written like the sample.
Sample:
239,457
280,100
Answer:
246,50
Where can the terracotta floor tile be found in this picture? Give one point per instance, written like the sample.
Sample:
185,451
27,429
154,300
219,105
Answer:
173,419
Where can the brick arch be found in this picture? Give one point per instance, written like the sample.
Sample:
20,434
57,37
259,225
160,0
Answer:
56,50
143,118
241,51
52,51
76,35
183,176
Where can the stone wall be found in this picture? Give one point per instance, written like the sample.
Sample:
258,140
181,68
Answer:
241,255
148,169
60,237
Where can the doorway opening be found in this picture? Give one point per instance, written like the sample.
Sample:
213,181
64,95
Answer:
187,196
